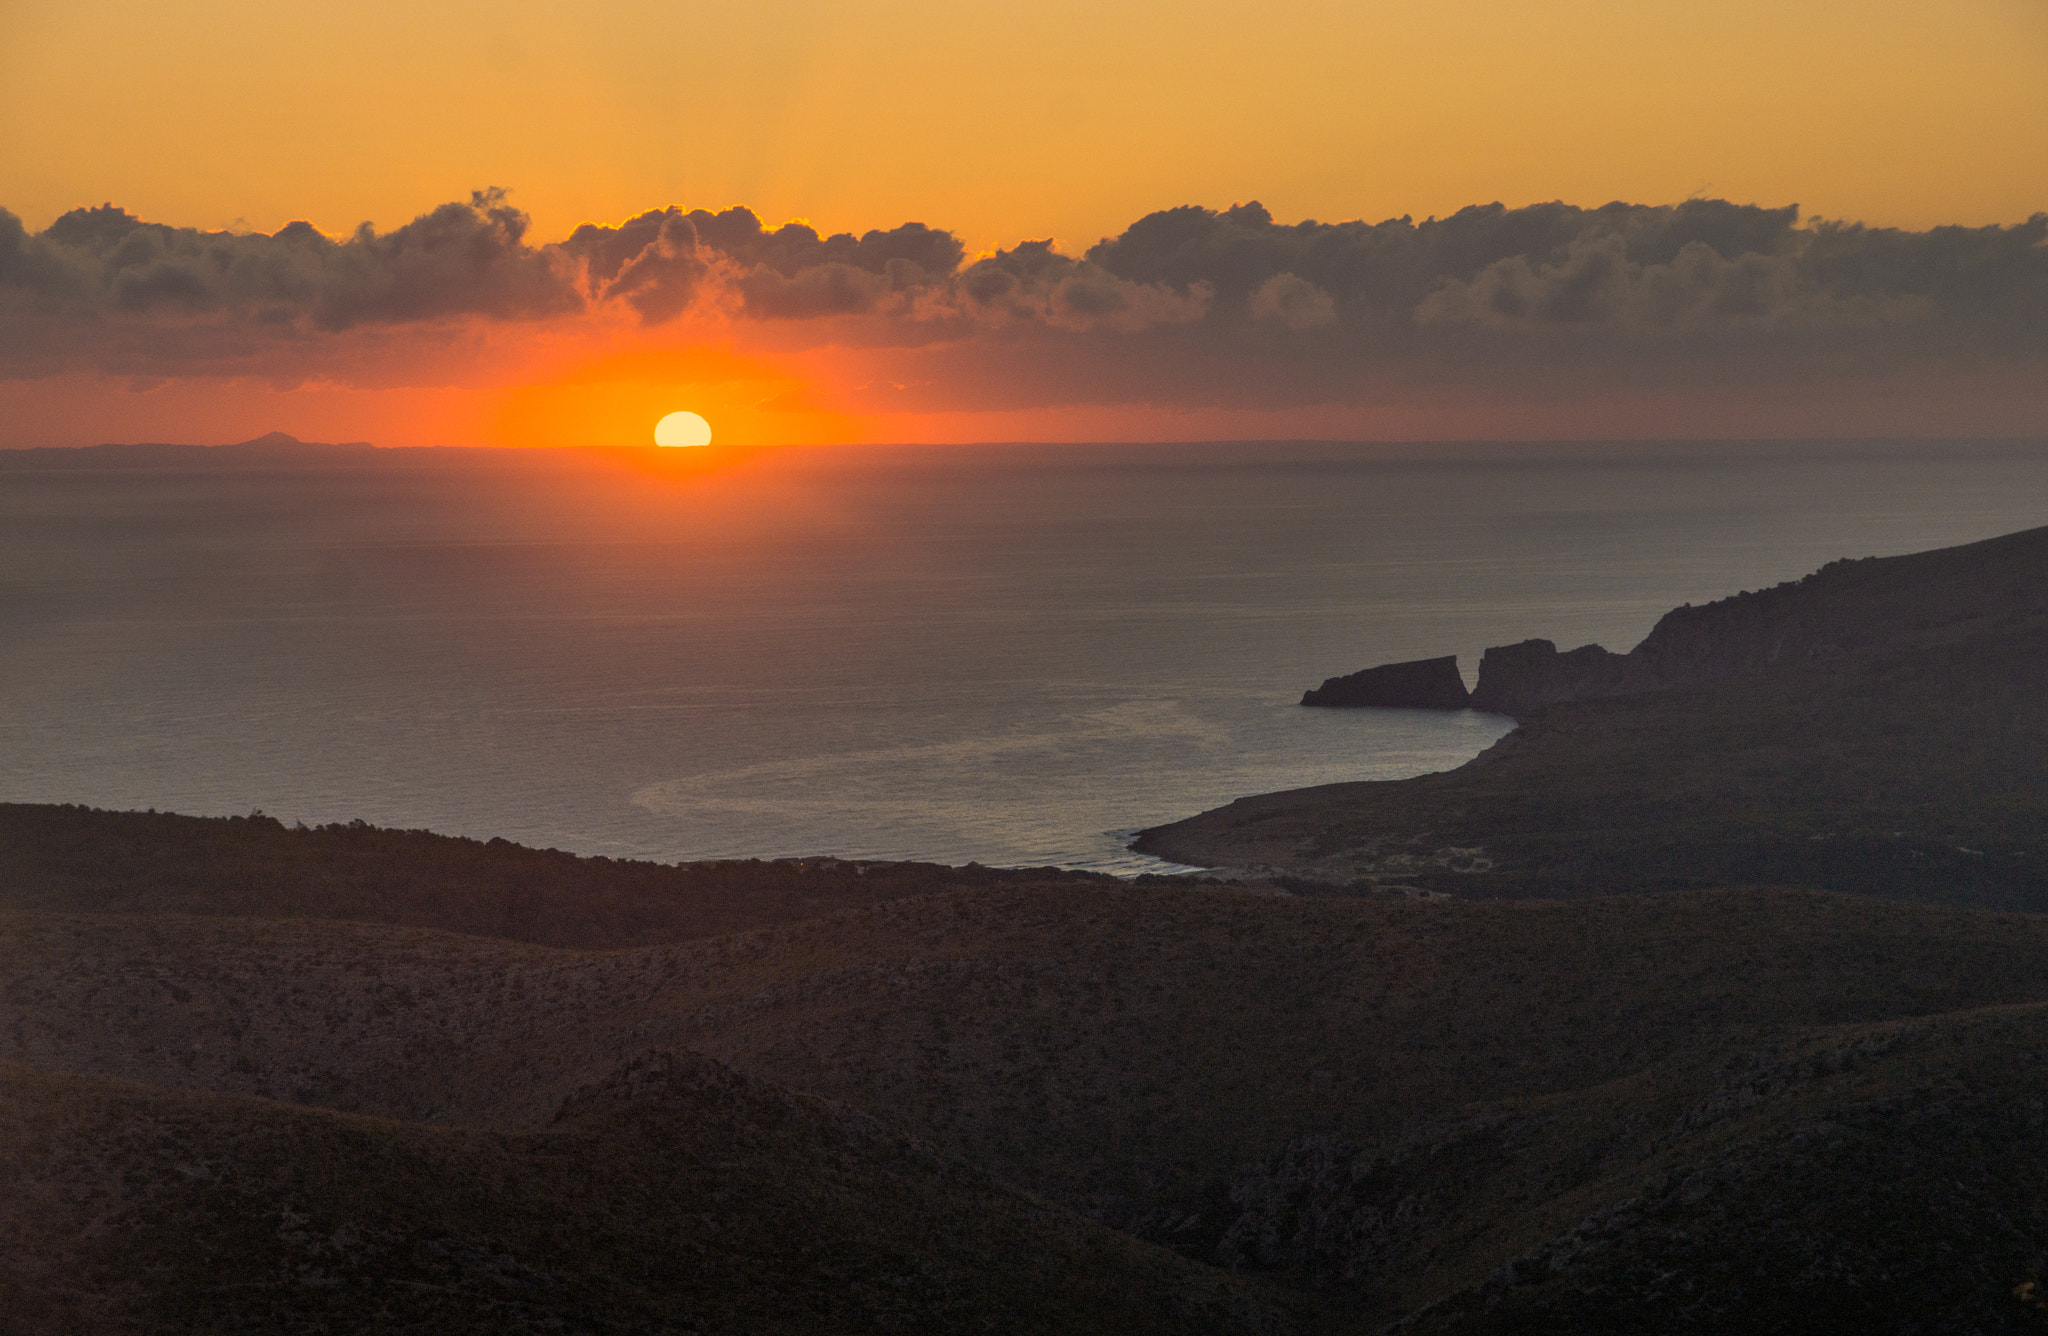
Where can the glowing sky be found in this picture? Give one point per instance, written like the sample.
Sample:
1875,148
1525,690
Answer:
999,124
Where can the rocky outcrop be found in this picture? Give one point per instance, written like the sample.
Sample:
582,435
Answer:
1754,632
1516,679
1748,633
1421,684
1732,637
1846,609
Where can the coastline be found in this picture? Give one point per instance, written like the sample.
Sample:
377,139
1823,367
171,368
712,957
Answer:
1872,728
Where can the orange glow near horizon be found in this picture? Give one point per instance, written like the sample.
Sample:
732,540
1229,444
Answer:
610,400
544,387
589,412
615,398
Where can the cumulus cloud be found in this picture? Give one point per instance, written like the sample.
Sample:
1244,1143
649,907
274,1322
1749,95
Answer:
1391,266
1296,303
1187,305
102,287
663,260
1555,299
460,259
1554,270
1032,283
653,263
659,261
1543,303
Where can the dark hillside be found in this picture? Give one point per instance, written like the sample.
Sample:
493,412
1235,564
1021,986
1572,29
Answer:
1084,1042
1877,1181
1117,1051
1849,608
677,1196
1376,1104
81,860
1845,610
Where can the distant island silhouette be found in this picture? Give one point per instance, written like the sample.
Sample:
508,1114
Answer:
141,454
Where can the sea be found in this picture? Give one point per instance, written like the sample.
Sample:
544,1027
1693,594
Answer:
1016,655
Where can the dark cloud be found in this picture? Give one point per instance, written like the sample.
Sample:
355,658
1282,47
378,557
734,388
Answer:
831,288
1555,299
1188,305
653,263
1032,283
1596,284
460,259
1552,268
1294,302
787,272
1549,302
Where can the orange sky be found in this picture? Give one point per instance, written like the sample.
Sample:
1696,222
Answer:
1061,119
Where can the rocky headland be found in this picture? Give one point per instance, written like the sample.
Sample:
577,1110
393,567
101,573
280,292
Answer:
1424,684
1847,608
1880,726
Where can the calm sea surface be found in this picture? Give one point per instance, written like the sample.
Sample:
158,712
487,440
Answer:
1006,654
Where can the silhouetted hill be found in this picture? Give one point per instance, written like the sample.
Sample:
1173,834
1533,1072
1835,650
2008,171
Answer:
1426,684
274,446
1373,1105
1883,1180
679,1196
1876,728
82,860
1845,610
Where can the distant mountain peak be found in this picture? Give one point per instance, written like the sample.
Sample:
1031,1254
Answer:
265,451
282,440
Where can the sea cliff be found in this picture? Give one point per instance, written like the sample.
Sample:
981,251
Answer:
1422,684
1847,608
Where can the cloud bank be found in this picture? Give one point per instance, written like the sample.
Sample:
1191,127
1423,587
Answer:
1187,307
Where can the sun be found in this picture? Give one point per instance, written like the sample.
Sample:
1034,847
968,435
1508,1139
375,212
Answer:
682,429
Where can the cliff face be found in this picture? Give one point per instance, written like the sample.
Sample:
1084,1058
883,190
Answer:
1731,637
1845,608
1515,679
1689,646
1422,684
